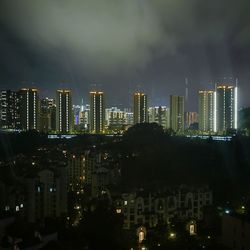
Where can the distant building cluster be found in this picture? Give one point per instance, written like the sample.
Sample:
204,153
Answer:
24,110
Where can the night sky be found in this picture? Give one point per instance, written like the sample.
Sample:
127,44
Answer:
121,46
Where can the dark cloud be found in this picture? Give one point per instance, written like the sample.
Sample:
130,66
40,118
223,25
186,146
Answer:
121,43
99,35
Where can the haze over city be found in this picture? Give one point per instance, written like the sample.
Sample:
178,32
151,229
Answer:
125,124
123,46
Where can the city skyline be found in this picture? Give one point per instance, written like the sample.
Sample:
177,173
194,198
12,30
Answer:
125,124
82,98
24,110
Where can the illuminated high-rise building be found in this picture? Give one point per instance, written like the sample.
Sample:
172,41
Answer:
76,170
85,117
76,114
226,108
47,114
129,116
160,115
64,114
140,108
28,109
191,118
206,111
97,112
177,113
8,109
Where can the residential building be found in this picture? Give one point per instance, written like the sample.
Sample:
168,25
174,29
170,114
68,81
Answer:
97,112
8,109
140,108
47,115
76,170
64,116
206,111
115,116
46,193
177,113
236,231
28,109
226,113
160,115
151,209
191,118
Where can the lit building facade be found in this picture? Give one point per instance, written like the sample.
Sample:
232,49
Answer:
28,109
97,112
226,108
85,116
8,109
160,115
76,170
191,118
129,116
47,114
115,117
140,108
152,209
76,114
177,113
64,116
206,111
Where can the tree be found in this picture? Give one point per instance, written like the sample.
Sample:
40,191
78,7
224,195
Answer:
102,228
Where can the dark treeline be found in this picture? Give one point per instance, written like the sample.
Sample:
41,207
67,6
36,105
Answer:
153,158
150,157
28,142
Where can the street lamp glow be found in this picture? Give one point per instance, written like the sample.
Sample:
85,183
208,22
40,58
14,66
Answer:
172,236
